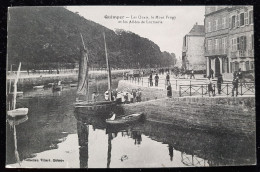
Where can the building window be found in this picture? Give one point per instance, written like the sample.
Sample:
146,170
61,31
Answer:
224,25
216,25
233,22
252,42
224,44
242,65
252,65
216,44
242,19
234,44
241,43
209,27
246,18
251,17
236,66
247,66
209,45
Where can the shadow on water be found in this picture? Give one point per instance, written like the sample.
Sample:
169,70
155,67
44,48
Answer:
192,147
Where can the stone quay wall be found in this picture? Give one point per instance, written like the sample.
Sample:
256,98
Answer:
215,114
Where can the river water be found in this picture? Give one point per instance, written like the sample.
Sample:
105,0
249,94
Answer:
53,136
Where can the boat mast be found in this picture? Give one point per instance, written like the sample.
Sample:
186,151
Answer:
108,69
15,85
87,64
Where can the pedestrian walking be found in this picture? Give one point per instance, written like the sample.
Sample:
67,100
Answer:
151,79
192,74
156,78
169,90
134,95
240,77
139,95
235,86
219,82
211,73
167,79
210,87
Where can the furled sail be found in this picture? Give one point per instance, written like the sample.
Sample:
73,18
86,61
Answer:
83,73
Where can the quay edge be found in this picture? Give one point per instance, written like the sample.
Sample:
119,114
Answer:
234,115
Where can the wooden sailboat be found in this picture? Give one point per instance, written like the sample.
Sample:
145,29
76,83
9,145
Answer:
91,106
13,112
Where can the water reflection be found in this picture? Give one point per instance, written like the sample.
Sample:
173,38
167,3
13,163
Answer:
183,147
13,122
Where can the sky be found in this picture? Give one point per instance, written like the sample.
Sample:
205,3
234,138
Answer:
172,22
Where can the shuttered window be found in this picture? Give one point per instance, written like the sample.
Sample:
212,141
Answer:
251,17
242,19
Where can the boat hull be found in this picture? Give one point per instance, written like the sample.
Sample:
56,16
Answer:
18,112
38,87
98,108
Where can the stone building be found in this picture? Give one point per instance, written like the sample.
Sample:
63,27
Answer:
193,49
241,38
228,39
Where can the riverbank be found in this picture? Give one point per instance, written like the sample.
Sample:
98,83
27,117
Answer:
28,81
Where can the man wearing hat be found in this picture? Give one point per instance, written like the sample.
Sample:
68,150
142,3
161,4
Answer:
219,82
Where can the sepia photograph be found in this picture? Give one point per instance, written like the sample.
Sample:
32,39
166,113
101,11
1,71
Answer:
130,86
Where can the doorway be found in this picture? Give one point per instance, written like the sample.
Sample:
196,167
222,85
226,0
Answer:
217,67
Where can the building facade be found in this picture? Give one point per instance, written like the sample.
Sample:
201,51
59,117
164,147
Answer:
229,39
241,38
193,49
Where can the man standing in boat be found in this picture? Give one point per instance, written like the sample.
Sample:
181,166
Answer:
94,96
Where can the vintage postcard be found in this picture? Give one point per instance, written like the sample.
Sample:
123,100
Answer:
130,86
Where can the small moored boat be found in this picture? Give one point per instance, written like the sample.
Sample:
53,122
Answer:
38,87
17,112
57,88
73,85
125,119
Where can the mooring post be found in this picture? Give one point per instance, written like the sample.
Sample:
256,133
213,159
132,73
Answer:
180,90
241,88
202,90
227,90
190,88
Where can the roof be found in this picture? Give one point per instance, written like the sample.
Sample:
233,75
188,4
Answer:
197,30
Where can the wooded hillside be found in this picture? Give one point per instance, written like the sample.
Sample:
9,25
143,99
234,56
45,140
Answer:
44,37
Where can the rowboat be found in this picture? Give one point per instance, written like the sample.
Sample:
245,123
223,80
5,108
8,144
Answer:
57,88
73,85
17,121
126,119
17,112
38,87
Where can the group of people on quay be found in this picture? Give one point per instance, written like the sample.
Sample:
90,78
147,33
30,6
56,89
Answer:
237,78
213,88
121,96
